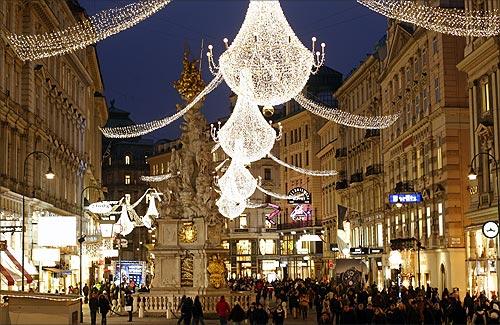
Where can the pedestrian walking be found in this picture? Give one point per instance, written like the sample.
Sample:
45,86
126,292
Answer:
223,309
93,306
179,308
86,294
237,315
279,315
198,312
187,311
261,317
104,307
129,302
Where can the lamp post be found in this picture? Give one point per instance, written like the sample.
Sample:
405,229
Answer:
49,175
81,239
472,176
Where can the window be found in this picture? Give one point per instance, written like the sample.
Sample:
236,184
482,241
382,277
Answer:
285,138
437,90
380,236
428,221
109,160
419,163
439,155
307,157
485,97
243,222
435,47
127,160
425,101
388,230
127,179
417,107
307,132
420,223
440,219
412,224
267,174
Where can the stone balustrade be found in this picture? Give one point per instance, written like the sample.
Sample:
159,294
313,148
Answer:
168,304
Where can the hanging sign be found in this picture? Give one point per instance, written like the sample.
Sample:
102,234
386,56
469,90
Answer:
300,196
405,198
6,229
100,207
490,229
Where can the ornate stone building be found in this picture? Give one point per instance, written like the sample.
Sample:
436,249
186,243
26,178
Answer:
359,186
481,63
299,146
54,105
427,151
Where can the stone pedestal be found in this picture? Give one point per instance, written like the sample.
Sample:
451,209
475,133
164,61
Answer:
180,245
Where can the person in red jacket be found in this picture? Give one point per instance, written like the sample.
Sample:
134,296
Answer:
222,308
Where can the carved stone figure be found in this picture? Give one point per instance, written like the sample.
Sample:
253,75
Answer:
187,270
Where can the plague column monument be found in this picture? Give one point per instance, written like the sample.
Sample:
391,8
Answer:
188,252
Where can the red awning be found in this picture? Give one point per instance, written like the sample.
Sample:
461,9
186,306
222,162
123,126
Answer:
6,274
28,277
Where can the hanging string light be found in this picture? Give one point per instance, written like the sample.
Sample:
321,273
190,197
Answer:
322,173
346,118
86,32
157,178
266,46
237,182
458,22
278,195
141,129
246,136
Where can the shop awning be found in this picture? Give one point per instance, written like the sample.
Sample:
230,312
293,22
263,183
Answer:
7,275
18,265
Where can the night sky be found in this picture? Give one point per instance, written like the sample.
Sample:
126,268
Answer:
140,64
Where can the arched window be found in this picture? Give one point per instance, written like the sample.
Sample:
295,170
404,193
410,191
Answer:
127,159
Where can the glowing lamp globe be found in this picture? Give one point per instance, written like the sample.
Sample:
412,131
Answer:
246,136
237,183
229,208
266,45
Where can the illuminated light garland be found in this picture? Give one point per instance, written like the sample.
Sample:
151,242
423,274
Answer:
278,195
322,173
246,136
157,178
237,182
346,118
279,64
86,32
229,208
59,298
458,22
141,129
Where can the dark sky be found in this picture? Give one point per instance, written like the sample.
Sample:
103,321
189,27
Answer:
140,64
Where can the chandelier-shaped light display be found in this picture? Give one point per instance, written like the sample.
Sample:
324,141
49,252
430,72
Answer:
322,173
86,32
346,118
237,182
141,129
452,21
229,208
266,46
246,136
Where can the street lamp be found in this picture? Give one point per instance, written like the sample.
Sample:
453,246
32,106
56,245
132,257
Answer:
473,176
81,240
49,175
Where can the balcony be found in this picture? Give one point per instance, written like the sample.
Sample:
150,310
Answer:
341,185
356,178
402,187
341,152
299,224
372,133
374,170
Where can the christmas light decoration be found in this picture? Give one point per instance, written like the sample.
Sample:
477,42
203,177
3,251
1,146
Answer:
86,32
322,173
266,46
246,136
157,178
346,118
237,182
141,129
458,22
229,208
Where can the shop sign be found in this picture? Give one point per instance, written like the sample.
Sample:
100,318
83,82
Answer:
376,250
7,229
359,251
405,198
300,196
100,207
490,229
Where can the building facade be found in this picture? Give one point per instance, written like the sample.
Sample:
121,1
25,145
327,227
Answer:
425,151
53,105
124,162
481,63
299,146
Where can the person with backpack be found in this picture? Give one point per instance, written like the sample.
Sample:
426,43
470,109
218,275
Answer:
222,308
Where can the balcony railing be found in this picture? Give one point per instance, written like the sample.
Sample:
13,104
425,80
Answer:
341,152
299,224
402,187
340,185
356,178
373,170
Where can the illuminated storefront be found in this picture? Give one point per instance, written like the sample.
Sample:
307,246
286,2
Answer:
481,262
